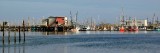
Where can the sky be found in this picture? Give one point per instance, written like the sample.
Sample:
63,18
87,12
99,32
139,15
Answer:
107,11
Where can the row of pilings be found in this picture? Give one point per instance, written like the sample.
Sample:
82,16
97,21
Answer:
15,39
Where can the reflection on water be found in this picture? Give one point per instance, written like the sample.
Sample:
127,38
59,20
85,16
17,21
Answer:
15,48
23,48
3,48
58,33
82,42
11,47
8,47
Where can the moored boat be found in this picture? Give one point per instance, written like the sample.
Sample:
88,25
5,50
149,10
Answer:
157,28
122,29
75,29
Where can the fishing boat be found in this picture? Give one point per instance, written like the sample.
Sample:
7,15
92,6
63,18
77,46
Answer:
157,28
75,29
85,28
74,23
135,28
105,29
122,29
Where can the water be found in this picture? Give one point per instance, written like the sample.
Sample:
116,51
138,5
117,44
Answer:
83,42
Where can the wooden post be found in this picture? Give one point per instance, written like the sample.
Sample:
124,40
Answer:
24,30
15,41
48,27
3,38
9,35
9,47
19,34
14,37
3,34
63,28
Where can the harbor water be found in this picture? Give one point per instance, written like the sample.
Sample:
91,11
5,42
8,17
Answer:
81,42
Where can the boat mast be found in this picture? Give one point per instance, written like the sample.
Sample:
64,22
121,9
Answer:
134,21
157,22
130,21
91,24
153,19
28,21
76,16
71,18
76,19
122,18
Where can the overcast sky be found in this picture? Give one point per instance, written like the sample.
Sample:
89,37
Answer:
106,10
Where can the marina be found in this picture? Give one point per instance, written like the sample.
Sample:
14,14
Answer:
79,26
66,24
59,34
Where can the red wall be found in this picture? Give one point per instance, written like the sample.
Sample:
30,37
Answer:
60,20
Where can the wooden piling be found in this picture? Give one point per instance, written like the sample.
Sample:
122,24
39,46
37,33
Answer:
24,36
9,47
63,28
24,30
48,25
14,37
3,34
19,34
9,36
3,39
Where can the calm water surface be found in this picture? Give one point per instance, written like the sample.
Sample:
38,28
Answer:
82,42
